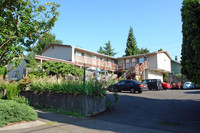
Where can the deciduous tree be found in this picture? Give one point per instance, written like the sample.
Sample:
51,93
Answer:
22,22
45,41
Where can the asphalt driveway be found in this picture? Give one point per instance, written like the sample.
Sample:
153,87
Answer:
171,110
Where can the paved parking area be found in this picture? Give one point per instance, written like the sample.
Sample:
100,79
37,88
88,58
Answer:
170,110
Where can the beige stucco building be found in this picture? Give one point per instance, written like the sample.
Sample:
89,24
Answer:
143,66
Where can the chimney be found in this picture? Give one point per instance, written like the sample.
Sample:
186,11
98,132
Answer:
176,58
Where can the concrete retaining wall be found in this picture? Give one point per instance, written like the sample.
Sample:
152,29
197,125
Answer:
84,104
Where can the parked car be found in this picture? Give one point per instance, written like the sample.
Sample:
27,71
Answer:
128,85
153,84
188,85
166,85
176,86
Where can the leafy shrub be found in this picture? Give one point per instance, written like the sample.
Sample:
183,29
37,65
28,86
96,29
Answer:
37,74
21,99
11,112
75,87
2,70
60,68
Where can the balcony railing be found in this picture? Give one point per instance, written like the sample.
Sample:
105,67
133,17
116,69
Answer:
91,62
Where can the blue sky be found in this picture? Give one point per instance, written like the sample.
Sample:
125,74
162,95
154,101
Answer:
89,24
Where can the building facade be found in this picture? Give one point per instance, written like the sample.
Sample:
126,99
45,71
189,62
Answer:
143,66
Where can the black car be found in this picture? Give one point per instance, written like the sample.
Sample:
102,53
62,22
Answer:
153,84
129,85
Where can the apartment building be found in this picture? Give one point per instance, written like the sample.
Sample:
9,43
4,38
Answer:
143,66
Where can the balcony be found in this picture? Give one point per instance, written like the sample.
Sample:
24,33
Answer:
91,62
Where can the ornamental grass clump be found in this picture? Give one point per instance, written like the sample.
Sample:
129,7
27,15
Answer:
73,87
12,112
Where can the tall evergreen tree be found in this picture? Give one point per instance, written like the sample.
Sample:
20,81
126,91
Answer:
46,40
191,40
101,50
107,50
131,44
143,51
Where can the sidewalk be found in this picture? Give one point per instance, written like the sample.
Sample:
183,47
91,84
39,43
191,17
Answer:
49,122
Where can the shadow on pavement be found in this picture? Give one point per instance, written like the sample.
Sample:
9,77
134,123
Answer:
193,92
131,110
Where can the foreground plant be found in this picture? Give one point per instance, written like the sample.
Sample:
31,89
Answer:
73,87
12,112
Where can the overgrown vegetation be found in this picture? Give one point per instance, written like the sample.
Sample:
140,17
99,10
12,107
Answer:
12,89
12,112
60,68
74,87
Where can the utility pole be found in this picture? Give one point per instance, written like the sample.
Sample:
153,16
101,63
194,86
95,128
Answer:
84,76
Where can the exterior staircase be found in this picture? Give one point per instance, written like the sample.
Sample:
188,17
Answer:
136,70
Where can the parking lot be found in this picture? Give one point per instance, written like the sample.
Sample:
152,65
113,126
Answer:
170,110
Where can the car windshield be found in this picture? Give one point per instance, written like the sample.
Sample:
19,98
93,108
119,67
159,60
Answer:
187,82
136,82
121,82
144,81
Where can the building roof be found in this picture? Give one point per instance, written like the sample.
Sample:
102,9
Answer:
125,57
147,54
175,61
53,44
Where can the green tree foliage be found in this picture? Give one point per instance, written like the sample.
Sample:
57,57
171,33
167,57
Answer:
22,22
191,40
160,49
2,70
143,51
101,50
31,62
131,44
107,50
60,68
45,41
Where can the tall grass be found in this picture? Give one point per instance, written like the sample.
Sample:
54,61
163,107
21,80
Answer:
92,88
12,89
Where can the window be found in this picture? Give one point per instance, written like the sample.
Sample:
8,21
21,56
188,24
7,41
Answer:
133,60
120,61
127,60
121,82
78,53
89,55
24,72
15,74
141,60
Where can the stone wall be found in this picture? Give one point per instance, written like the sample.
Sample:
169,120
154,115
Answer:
84,104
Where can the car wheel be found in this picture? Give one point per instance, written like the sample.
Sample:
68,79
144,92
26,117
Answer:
132,90
139,91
